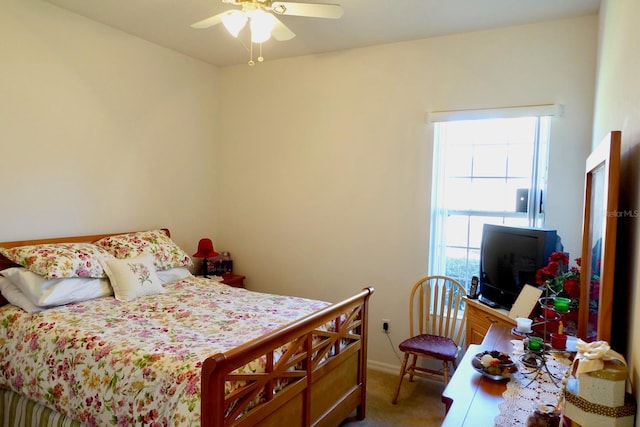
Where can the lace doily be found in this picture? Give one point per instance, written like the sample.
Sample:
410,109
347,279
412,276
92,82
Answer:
529,388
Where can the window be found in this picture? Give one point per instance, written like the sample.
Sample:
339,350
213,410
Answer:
485,171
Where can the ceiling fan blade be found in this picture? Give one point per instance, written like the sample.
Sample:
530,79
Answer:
281,32
210,22
312,10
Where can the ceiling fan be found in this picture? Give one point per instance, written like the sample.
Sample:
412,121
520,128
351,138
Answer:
262,20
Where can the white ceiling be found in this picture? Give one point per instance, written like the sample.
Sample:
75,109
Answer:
364,23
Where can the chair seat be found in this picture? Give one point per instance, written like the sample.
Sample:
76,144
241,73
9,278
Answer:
442,348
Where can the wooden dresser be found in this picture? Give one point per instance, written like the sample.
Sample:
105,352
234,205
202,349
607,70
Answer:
480,317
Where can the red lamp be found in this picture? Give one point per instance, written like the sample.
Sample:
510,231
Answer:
205,250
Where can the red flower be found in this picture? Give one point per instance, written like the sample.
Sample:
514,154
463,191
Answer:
558,278
539,277
559,257
572,287
552,268
594,292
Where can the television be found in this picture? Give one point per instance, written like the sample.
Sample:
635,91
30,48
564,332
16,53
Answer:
510,258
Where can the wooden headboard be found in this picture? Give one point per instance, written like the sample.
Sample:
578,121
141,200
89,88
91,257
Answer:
5,263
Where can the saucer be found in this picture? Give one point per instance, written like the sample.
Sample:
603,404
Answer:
518,333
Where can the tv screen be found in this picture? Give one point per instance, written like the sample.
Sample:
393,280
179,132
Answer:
509,259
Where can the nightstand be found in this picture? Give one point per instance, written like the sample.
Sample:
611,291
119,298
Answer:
234,280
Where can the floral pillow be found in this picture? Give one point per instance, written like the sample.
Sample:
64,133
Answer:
133,277
59,260
166,254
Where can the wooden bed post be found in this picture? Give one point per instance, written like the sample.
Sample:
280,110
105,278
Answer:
362,374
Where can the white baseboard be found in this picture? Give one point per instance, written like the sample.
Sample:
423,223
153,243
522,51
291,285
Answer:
383,367
395,369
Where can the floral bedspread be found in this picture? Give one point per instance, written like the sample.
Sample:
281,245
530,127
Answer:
107,362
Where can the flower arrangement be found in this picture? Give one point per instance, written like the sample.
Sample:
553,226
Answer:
557,279
560,279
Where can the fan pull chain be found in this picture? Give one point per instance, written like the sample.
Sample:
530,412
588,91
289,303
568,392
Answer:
260,57
251,63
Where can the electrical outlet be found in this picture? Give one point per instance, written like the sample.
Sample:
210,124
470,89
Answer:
385,325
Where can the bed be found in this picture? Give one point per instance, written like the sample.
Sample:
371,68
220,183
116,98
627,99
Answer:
291,361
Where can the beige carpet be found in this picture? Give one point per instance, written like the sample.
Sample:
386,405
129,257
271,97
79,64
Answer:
419,402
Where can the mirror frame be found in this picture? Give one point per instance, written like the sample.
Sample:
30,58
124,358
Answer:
602,181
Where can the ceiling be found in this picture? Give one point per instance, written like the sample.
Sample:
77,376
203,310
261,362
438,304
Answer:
364,23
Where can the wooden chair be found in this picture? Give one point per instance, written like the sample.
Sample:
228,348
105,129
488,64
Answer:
436,327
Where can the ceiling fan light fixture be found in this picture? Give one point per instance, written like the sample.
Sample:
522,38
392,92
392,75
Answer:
234,22
263,22
261,25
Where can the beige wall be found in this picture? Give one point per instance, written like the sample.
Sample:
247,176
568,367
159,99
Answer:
327,159
313,171
101,131
618,108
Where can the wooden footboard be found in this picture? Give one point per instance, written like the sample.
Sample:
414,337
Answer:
318,381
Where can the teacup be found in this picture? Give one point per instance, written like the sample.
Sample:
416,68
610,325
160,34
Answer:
524,324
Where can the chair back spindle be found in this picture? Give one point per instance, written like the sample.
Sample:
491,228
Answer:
435,308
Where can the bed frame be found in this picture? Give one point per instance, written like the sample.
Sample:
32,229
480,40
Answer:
325,371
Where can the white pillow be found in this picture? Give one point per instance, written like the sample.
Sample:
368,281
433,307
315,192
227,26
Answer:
133,277
16,297
173,274
47,293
